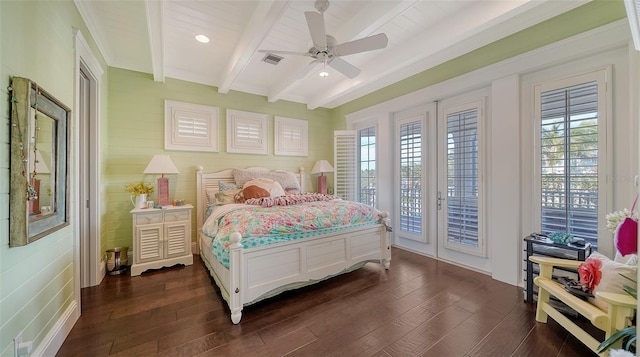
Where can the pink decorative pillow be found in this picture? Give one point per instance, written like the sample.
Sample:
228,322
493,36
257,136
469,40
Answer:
626,236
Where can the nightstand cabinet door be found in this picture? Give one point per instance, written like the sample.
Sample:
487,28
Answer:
148,245
161,238
177,238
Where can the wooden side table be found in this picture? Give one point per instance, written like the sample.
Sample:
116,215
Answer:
161,237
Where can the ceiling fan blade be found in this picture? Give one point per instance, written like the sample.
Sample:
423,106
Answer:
344,67
285,52
370,43
315,21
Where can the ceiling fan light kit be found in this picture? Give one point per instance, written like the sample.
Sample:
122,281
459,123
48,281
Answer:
327,50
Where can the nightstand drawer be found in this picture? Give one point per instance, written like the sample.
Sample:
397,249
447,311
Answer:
149,218
176,216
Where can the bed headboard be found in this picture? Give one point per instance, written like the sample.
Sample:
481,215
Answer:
210,181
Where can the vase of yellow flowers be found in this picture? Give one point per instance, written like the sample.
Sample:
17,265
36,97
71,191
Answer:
139,192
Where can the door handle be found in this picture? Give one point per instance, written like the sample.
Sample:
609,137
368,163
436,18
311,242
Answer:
440,199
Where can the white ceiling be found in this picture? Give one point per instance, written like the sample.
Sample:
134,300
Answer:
157,36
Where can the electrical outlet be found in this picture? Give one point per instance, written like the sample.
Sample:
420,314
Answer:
16,344
21,348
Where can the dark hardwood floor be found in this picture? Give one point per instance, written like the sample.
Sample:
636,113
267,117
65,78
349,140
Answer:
420,307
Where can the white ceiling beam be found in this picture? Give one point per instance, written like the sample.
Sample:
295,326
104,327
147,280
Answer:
357,27
432,49
265,16
154,10
371,18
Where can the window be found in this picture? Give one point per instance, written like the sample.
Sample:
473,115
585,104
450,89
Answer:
246,132
190,127
569,159
410,140
462,165
367,161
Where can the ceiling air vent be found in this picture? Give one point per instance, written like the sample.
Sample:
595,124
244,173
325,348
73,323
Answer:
271,58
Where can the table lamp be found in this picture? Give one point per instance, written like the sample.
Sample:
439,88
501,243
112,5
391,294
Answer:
162,164
321,167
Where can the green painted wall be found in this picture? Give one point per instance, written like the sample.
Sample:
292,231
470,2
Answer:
581,19
136,133
36,281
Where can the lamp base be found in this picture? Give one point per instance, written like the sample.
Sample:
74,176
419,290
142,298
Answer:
163,191
322,184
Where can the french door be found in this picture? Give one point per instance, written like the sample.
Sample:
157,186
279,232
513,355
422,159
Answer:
460,189
414,184
439,193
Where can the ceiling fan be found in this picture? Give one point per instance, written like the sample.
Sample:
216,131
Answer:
327,50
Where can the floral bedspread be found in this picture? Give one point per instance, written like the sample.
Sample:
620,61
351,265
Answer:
261,226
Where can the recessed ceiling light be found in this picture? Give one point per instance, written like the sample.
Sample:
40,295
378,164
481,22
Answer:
202,38
324,74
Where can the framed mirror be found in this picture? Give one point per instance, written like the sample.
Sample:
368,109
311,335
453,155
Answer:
39,155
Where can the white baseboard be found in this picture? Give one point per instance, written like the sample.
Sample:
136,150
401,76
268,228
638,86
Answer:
194,248
103,271
56,336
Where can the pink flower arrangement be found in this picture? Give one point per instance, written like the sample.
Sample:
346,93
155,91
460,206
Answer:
590,273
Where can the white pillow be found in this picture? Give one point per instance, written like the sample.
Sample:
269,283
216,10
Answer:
611,280
629,259
286,179
211,196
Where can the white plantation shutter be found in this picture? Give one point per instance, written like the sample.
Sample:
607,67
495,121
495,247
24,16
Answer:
291,136
246,132
569,160
191,127
462,177
345,163
410,141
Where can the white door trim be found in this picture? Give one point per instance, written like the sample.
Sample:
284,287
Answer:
93,271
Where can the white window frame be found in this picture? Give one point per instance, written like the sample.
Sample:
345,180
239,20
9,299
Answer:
236,119
480,106
291,137
600,76
206,116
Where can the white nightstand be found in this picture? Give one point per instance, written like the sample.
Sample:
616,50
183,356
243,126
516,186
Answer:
161,237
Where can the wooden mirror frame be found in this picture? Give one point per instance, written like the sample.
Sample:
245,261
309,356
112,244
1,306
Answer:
28,96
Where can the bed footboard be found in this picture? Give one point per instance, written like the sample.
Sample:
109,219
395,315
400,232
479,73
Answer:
259,273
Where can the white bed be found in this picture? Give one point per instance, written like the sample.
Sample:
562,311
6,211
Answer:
262,272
